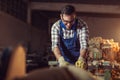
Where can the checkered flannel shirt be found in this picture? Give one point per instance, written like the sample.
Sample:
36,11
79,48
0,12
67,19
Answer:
82,34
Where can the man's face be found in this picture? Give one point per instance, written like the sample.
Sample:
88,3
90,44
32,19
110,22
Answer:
68,20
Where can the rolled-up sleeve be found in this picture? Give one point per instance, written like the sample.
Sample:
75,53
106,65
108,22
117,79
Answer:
55,39
84,36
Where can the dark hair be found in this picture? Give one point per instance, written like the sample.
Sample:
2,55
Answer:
68,9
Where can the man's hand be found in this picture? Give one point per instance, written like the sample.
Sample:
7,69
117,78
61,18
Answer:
80,63
62,62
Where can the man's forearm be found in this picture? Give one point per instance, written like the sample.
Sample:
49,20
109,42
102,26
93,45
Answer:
83,53
57,52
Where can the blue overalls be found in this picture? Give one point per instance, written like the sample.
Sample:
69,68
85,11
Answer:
70,48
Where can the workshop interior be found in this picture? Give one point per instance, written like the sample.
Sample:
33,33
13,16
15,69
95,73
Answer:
25,32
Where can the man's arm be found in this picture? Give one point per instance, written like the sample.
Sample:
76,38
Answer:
83,53
57,52
84,36
55,39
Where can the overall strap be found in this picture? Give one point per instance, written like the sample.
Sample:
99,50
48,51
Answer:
74,27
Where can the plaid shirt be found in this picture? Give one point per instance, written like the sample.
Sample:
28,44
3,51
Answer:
82,34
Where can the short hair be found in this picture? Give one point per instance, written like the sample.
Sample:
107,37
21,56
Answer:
68,9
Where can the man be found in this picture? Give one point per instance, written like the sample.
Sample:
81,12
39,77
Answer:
69,37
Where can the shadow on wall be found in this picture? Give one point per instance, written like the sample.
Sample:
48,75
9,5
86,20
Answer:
14,31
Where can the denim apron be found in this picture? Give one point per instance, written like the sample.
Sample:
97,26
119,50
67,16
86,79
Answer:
70,48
